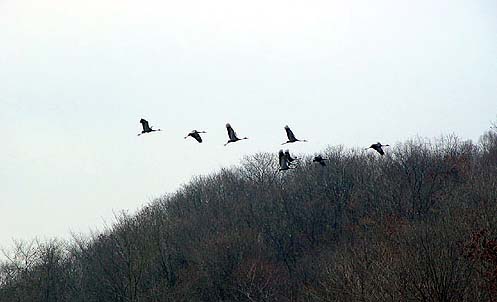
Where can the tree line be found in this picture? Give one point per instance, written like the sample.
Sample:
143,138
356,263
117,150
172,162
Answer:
418,224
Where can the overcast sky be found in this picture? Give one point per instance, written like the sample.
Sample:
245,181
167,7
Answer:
76,76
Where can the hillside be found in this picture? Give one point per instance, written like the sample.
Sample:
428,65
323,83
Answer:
418,224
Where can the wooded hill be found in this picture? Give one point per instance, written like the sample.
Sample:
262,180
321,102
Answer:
418,224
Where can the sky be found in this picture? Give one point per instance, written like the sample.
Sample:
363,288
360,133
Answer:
77,76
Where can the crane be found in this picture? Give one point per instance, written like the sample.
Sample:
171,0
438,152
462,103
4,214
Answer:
196,135
146,127
319,159
289,157
378,148
291,136
283,161
232,135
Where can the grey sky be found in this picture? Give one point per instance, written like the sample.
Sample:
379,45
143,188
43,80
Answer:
76,77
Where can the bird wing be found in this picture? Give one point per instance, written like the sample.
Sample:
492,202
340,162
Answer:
378,149
145,125
289,134
288,156
282,160
196,136
231,132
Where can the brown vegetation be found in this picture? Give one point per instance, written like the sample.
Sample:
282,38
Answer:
418,224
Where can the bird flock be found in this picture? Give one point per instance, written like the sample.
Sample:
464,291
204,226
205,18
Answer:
285,159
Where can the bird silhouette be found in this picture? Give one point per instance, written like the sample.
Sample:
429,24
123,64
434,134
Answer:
232,135
289,157
378,148
196,135
291,136
319,159
146,127
283,161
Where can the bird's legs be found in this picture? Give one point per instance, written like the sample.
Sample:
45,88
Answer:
151,130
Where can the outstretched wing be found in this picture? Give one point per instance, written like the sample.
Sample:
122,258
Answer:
379,150
145,125
196,136
289,134
231,132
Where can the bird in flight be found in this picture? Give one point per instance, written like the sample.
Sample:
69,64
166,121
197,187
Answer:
319,159
232,135
289,157
196,135
378,148
291,136
284,161
146,127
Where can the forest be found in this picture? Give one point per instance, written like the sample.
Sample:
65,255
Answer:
418,224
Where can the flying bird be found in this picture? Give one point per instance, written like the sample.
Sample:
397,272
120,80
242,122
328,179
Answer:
146,127
291,136
232,135
283,161
196,135
289,157
377,148
319,159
